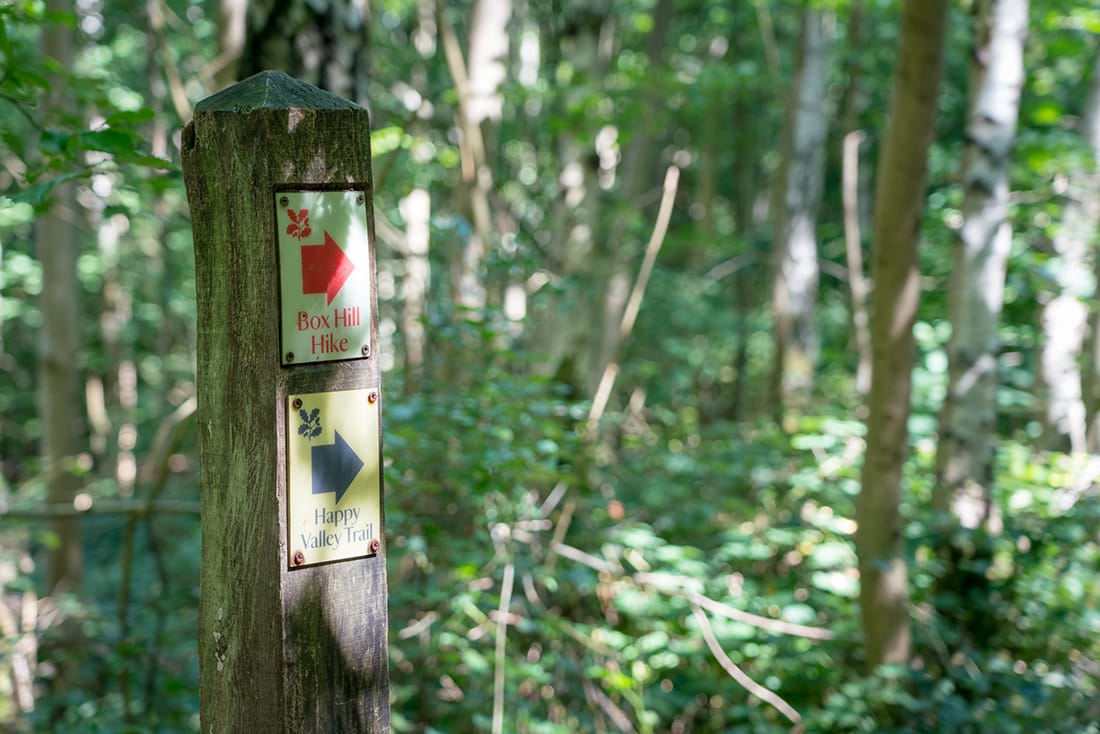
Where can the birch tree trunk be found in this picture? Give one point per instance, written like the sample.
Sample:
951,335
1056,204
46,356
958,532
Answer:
964,459
899,204
963,495
477,79
798,195
1065,315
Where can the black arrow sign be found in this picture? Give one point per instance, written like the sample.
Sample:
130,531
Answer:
334,467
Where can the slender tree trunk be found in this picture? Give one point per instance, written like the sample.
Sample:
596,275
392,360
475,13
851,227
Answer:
1065,315
563,331
637,174
967,423
851,189
964,459
1091,133
899,203
477,81
416,209
853,249
57,235
798,195
231,37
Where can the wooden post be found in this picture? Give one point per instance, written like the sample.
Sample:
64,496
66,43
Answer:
292,611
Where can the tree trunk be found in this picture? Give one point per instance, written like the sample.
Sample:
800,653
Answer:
851,189
416,210
899,203
798,194
232,16
637,173
1065,315
477,83
566,312
58,244
963,496
322,42
1091,133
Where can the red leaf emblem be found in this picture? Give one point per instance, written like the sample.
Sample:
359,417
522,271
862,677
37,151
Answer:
299,224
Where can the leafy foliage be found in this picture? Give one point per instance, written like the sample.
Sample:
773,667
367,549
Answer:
593,577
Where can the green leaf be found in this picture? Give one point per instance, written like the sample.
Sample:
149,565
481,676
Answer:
5,42
129,118
111,141
37,195
54,142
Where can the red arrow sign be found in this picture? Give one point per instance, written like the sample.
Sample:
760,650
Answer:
325,268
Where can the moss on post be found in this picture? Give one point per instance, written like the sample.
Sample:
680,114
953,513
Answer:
281,649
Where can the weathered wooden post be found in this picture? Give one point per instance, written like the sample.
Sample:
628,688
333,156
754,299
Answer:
292,612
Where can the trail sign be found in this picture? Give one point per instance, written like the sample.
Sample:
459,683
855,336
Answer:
293,602
324,275
333,506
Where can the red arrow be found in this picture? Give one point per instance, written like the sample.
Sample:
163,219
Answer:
325,268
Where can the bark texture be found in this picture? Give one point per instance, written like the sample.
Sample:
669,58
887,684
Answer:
963,496
899,204
976,296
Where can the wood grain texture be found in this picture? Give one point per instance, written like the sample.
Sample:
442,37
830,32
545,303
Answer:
280,649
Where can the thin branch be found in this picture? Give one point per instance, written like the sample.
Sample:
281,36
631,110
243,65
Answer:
754,688
585,559
562,527
767,35
415,629
857,283
660,229
618,717
731,266
552,499
637,293
156,11
101,507
671,584
502,639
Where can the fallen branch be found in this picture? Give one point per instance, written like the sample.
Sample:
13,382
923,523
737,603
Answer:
764,694
671,584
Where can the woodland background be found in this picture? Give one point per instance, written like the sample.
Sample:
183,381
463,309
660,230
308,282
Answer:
740,372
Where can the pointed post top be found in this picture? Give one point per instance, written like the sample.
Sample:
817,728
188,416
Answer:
272,90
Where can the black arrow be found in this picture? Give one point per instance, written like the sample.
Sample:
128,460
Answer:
334,467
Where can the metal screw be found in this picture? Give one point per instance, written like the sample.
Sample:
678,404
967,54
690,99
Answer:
372,397
283,201
375,545
365,350
299,558
290,356
360,199
297,403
